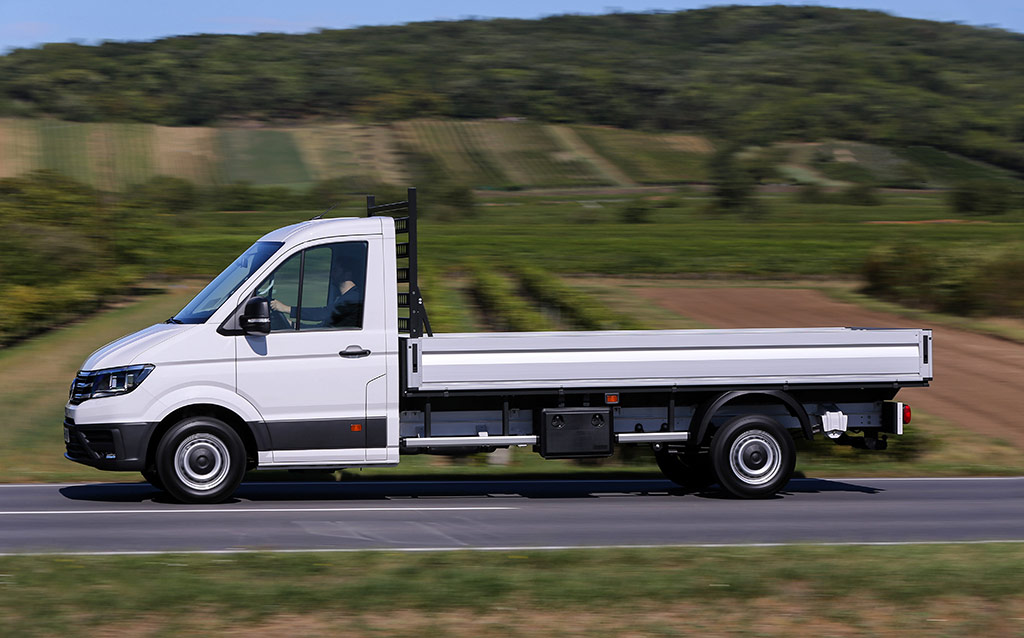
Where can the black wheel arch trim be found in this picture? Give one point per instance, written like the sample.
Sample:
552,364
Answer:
702,418
254,434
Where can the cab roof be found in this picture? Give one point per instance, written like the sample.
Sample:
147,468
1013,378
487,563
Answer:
333,227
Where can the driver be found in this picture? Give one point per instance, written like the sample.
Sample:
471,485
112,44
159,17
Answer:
344,302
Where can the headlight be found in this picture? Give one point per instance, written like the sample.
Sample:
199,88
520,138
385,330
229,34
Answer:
109,382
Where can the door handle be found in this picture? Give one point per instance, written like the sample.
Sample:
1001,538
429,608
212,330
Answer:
354,352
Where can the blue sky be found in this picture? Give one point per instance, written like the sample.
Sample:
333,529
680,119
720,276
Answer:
25,23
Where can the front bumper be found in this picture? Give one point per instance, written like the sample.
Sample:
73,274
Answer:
108,446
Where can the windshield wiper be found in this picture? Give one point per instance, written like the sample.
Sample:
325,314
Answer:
174,320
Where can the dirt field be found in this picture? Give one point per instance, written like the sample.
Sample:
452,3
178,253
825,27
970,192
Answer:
978,379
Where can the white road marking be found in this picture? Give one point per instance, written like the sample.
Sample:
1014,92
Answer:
251,510
8,485
510,548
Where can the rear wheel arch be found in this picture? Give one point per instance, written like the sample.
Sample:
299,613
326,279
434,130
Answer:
700,426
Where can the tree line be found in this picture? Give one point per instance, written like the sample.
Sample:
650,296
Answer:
744,74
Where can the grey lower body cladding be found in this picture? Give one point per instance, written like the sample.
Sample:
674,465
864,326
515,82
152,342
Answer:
328,434
108,446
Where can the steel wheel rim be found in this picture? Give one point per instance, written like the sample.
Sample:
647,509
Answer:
202,462
755,457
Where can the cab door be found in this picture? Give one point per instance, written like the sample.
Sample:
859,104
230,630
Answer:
308,378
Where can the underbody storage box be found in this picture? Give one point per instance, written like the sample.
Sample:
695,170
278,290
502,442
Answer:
568,433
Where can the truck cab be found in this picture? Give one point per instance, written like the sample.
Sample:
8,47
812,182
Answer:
314,381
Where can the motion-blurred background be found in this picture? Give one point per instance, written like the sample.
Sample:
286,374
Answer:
722,167
731,166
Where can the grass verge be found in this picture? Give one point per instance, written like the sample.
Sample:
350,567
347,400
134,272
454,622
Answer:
792,591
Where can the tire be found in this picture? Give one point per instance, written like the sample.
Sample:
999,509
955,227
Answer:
690,469
153,478
200,460
753,456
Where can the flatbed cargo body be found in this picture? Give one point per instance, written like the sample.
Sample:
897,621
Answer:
503,362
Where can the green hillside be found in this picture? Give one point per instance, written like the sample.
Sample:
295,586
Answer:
485,154
650,158
481,154
261,157
503,154
752,75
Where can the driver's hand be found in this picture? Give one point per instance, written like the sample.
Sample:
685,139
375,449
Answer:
280,307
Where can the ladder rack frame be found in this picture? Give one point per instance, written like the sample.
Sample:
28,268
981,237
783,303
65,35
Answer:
417,321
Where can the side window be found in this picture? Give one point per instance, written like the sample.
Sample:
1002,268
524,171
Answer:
316,288
281,289
333,287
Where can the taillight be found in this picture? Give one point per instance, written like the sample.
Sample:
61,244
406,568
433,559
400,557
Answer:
906,413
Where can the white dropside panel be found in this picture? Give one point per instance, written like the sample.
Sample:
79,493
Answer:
669,357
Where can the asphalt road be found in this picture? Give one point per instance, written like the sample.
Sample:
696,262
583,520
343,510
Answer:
132,517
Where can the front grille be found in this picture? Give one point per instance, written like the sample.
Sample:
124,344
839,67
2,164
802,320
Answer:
82,388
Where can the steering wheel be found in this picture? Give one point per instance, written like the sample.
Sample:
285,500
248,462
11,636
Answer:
278,320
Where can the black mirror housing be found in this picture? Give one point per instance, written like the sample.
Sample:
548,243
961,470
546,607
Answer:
255,317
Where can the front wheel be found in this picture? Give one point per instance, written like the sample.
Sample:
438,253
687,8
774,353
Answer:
753,456
200,460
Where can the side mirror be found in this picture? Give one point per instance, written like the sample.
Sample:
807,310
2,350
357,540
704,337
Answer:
255,318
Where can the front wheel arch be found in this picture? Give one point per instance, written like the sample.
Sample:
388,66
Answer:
221,413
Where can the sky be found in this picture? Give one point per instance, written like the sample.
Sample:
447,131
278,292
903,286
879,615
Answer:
27,23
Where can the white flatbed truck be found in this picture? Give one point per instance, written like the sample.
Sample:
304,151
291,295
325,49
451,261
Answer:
314,350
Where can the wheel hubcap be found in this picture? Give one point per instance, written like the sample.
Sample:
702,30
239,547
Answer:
755,457
202,461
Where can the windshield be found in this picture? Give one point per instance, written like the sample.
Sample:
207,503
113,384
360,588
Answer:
206,302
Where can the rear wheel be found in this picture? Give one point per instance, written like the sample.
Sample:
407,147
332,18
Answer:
201,460
690,469
753,456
